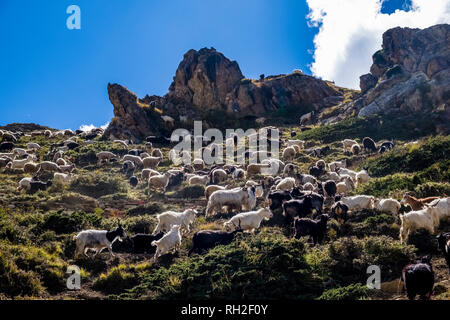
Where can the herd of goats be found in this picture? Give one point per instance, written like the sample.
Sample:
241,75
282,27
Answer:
299,197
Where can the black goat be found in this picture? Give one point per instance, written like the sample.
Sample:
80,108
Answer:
308,227
72,145
388,145
6,146
175,180
133,181
339,211
207,239
418,279
330,187
297,208
128,167
36,185
315,171
369,145
444,246
382,150
277,198
142,243
136,152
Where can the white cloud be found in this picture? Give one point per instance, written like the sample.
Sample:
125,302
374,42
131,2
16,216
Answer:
351,31
89,127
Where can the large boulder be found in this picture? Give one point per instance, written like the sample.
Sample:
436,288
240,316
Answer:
411,73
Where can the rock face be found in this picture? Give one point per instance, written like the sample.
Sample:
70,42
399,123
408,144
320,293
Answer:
131,120
204,78
207,80
410,74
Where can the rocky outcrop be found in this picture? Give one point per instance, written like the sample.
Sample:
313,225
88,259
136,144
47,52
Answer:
132,118
204,78
207,80
410,74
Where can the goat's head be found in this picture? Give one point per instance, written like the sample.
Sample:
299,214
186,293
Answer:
120,232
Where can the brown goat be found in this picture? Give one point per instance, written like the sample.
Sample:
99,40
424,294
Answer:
415,203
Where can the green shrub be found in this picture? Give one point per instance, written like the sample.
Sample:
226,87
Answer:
263,266
97,184
413,158
346,259
431,189
115,280
64,222
37,268
16,282
148,208
352,292
377,127
190,192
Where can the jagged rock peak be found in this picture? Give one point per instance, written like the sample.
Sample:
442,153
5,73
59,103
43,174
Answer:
204,78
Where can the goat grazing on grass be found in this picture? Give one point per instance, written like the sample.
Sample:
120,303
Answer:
249,220
390,205
207,239
339,211
168,219
234,198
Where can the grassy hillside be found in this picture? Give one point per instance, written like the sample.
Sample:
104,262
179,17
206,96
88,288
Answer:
36,231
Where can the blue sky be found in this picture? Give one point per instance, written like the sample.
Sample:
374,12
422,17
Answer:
57,77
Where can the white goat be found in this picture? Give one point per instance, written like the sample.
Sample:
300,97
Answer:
97,240
349,172
390,205
197,179
135,159
299,143
106,155
250,220
171,240
335,165
19,164
168,219
289,153
24,184
286,184
348,143
415,220
358,202
64,178
159,181
440,210
151,162
361,177
237,198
